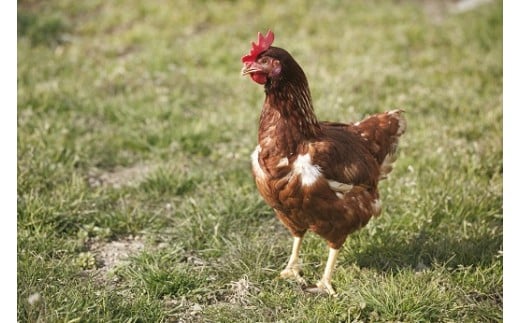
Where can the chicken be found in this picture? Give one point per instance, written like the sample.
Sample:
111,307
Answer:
317,176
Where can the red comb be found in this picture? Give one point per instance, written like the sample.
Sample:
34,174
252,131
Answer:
264,42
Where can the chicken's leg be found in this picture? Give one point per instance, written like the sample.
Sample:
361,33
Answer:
292,270
324,284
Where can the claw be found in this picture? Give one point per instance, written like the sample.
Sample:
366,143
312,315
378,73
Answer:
324,285
292,273
321,287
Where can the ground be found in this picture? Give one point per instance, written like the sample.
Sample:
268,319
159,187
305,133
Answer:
135,199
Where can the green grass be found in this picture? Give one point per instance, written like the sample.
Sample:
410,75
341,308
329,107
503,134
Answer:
135,128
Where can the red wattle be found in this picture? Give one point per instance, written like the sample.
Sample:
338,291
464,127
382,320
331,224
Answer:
259,78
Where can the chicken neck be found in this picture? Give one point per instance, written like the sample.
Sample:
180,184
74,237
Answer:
287,118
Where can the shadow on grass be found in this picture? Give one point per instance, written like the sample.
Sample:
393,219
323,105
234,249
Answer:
433,246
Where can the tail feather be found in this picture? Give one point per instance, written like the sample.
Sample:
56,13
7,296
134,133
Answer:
382,132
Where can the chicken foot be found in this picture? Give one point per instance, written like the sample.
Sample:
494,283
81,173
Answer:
292,270
324,285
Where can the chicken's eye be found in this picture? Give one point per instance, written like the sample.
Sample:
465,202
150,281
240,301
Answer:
264,60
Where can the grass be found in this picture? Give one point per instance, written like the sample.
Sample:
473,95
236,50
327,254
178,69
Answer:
135,197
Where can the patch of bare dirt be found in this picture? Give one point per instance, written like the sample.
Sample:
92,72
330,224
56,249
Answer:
120,176
111,254
115,252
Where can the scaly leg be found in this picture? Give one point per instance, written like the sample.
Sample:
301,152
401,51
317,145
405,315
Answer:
292,270
324,284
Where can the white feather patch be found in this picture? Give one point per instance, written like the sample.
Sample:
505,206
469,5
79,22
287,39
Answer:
376,206
401,120
257,170
308,172
283,162
339,188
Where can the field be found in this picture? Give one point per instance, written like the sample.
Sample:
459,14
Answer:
135,200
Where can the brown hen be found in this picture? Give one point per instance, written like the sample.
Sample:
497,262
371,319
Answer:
317,176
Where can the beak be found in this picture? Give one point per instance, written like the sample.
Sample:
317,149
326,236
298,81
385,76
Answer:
251,68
